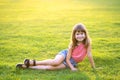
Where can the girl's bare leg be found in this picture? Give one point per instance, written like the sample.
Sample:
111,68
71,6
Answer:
53,62
48,67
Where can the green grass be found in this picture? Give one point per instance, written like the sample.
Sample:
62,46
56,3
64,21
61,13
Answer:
39,29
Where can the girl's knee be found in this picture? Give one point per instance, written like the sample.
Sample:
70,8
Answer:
55,62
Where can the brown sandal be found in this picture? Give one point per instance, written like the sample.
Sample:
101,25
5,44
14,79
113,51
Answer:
27,62
19,66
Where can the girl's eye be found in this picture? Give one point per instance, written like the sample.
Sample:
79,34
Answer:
82,33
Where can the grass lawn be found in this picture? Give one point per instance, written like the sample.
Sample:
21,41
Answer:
39,29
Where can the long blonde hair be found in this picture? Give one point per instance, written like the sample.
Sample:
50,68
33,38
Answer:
77,28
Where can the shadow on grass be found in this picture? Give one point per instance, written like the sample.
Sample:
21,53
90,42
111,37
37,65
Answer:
11,73
108,61
107,68
64,74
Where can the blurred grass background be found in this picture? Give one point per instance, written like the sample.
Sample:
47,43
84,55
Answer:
39,29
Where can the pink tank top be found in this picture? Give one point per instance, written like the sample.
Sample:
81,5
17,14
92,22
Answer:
79,53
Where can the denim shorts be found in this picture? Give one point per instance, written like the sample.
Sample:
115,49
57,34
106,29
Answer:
64,54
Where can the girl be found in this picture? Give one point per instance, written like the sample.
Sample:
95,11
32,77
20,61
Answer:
79,47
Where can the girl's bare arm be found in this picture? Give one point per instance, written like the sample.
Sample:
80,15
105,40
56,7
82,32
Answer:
90,57
68,61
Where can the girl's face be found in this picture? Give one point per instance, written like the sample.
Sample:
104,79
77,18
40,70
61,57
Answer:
80,36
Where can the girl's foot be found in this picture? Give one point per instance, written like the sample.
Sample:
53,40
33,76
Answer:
21,66
29,62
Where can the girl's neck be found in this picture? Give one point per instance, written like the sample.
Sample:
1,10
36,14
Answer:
78,43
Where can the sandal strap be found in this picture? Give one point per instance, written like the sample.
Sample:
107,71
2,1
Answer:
34,63
27,62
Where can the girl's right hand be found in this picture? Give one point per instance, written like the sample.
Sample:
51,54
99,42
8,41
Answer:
74,69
